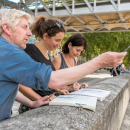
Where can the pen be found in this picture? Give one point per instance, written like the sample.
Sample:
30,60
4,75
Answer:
127,48
54,94
50,96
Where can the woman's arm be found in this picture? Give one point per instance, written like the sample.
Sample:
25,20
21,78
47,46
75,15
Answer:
28,92
33,104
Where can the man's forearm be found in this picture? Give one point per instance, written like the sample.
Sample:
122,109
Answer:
67,76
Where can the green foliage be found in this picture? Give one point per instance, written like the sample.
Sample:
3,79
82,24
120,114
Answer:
67,35
67,1
99,43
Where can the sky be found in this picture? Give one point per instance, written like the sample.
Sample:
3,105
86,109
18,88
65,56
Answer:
15,1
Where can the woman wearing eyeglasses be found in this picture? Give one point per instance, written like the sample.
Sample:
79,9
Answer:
50,33
71,49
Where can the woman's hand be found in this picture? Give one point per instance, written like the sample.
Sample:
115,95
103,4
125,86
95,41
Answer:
83,85
65,92
43,101
51,97
76,86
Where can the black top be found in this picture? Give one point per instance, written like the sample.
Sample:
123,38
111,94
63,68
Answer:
36,54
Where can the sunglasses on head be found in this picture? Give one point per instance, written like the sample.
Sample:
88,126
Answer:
59,24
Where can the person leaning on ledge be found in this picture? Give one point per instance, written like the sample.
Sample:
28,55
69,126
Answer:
16,67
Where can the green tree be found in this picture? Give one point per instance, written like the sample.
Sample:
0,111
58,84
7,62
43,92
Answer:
99,43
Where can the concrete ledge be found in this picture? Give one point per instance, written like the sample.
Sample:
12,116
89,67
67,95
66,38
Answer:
108,115
126,121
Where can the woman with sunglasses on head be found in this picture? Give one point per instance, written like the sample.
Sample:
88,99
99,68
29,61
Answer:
72,48
50,33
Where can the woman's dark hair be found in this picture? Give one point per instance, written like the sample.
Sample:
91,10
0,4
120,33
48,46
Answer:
76,40
43,25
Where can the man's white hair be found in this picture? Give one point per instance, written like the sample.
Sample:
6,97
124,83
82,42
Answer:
11,17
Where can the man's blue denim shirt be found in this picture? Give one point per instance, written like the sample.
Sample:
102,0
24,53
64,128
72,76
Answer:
16,67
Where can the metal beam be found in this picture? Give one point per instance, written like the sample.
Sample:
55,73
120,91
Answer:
75,29
102,21
54,8
45,7
81,21
99,24
89,5
106,26
73,6
89,28
86,10
122,19
99,18
94,5
67,20
113,3
121,16
28,2
94,9
25,7
118,4
36,10
101,31
67,7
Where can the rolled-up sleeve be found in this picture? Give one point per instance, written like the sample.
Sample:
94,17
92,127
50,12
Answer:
43,77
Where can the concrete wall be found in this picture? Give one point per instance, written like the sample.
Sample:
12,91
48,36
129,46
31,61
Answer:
108,115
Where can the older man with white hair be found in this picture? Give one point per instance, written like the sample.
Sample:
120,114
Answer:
16,67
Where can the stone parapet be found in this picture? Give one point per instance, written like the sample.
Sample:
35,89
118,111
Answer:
108,115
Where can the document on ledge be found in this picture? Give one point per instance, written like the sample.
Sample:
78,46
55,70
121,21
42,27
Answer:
99,93
75,100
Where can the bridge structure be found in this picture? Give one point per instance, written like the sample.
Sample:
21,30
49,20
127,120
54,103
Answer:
84,16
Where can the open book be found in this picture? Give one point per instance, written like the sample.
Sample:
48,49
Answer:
85,97
75,100
99,93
